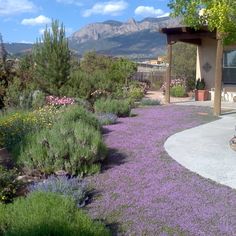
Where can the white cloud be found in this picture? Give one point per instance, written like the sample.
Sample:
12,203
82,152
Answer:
11,7
25,41
106,8
149,11
76,2
40,20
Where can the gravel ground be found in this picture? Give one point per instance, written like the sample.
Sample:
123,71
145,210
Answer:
143,191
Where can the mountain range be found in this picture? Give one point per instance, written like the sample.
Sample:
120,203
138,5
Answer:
132,39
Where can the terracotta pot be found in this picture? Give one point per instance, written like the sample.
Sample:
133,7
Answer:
201,95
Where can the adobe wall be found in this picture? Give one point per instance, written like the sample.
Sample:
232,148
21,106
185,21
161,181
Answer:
206,57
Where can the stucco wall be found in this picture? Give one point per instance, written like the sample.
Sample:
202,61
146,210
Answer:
206,57
206,53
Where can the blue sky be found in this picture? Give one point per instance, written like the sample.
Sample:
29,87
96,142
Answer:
24,20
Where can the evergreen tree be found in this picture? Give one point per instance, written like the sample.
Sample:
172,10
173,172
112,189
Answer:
52,59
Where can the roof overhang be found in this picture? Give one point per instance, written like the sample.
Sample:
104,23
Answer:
187,35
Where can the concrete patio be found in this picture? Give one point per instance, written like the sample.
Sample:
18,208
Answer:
205,149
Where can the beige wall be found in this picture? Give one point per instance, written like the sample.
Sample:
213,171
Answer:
206,53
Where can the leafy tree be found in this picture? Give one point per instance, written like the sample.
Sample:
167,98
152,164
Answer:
52,59
99,73
184,63
218,15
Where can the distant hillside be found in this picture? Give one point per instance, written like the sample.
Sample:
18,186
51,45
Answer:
133,39
18,48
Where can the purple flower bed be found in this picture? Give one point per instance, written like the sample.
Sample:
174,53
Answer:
143,191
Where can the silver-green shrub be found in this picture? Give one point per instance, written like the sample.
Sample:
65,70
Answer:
75,147
71,187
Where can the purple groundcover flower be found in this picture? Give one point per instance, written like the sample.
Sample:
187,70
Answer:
145,192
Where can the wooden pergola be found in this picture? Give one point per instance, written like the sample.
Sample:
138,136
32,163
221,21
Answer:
192,36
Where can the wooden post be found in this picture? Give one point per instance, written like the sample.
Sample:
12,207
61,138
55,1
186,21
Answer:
168,73
218,76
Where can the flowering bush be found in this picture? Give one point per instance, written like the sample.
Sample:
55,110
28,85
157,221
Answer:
71,187
175,82
57,101
15,126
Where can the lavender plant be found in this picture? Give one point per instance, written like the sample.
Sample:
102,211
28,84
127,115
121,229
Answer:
71,187
107,118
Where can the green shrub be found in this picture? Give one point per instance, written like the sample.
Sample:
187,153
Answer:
8,185
178,91
150,102
74,113
75,147
135,93
121,108
43,214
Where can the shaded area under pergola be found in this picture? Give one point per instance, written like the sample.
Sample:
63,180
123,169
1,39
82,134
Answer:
192,36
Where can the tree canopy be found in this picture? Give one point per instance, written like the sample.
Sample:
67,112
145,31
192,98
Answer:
217,15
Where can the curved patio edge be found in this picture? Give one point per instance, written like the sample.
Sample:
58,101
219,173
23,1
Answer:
205,150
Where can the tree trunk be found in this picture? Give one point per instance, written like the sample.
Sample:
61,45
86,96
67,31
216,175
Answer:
218,76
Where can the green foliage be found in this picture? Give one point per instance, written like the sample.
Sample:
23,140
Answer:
43,214
26,69
150,102
178,91
99,76
75,113
14,126
216,14
8,185
22,96
156,80
71,146
200,85
121,108
184,63
135,93
52,60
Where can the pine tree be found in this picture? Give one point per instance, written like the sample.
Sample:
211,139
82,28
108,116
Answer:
52,59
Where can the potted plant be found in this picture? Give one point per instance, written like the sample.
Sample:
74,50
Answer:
201,94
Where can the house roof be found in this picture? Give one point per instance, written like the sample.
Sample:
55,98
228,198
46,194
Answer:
179,32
